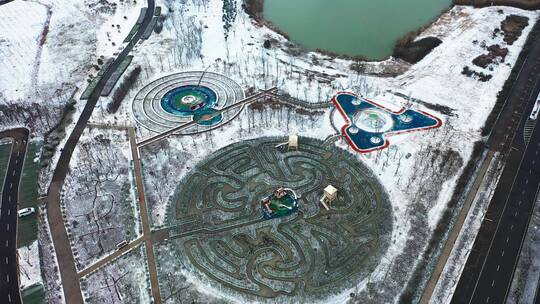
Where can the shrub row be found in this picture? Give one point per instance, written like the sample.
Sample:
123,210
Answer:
123,89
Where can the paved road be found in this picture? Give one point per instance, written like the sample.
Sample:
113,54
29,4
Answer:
64,254
488,273
9,282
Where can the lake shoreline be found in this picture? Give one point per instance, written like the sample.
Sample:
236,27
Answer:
255,9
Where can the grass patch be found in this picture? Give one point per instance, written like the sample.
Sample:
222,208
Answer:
5,150
34,294
27,226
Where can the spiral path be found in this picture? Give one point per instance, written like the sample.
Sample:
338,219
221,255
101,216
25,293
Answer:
218,232
147,108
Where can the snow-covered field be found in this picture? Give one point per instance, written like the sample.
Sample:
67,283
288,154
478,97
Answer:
29,265
48,51
21,26
124,280
98,196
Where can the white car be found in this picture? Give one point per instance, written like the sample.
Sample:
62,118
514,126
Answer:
26,211
122,244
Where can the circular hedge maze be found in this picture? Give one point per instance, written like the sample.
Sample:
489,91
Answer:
219,234
178,98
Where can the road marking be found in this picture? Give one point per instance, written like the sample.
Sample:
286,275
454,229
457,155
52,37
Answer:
13,173
502,253
7,243
492,283
515,214
519,203
507,238
498,266
511,226
487,299
10,185
7,260
7,278
7,227
9,297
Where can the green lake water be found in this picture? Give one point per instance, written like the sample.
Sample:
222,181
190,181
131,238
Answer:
352,27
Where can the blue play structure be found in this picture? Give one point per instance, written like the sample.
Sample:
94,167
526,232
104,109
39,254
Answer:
369,124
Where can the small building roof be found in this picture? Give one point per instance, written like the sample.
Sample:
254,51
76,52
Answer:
331,190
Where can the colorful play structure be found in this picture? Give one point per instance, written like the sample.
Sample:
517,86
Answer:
369,124
281,203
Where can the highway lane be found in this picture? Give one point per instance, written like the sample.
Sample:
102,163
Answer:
489,269
9,281
503,253
64,254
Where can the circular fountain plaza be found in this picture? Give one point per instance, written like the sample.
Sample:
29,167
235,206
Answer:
182,97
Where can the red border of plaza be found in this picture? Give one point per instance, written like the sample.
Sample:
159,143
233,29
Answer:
385,135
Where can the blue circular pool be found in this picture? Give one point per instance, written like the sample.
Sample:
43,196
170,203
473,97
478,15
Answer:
187,100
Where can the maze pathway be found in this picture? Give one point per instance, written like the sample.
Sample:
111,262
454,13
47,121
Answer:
219,234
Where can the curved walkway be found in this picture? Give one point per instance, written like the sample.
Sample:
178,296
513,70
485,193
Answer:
64,254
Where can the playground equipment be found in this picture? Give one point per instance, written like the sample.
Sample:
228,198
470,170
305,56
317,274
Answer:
292,143
329,195
280,203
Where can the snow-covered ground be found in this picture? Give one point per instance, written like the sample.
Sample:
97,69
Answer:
21,26
124,280
29,265
98,196
49,262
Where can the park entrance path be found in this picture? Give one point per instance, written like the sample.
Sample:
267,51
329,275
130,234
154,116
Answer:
147,234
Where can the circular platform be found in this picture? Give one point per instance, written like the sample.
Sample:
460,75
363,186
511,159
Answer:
221,237
188,99
178,98
373,120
